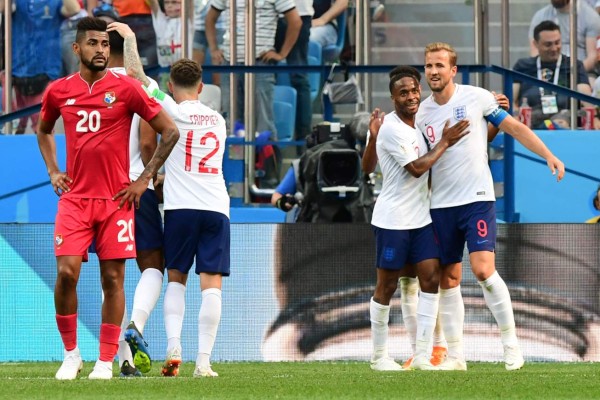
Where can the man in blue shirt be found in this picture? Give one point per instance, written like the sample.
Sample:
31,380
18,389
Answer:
36,49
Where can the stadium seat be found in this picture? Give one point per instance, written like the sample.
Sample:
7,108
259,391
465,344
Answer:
315,57
211,96
284,109
282,78
314,79
332,52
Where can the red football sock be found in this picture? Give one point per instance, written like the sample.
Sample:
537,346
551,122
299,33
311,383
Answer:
109,341
67,326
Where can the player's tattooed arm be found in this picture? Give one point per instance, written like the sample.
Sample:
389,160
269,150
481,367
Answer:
169,136
133,64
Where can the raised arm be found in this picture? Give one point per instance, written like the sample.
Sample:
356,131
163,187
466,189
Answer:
133,64
369,158
531,141
70,8
91,4
154,6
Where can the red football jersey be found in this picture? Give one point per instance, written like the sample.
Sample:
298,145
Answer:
97,120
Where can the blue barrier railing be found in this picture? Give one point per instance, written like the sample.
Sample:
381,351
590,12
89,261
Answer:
508,75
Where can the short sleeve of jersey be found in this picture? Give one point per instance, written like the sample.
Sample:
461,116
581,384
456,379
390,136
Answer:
139,101
397,144
218,4
491,110
288,183
50,111
166,102
283,6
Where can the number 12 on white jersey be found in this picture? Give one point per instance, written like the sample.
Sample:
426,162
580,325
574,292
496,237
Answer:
209,146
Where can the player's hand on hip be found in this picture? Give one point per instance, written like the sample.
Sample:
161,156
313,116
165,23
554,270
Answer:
131,194
555,166
60,182
456,132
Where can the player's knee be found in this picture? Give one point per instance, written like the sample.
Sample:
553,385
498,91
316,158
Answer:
112,280
449,281
385,289
483,272
430,282
66,277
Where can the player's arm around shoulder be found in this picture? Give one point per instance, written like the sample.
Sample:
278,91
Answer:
450,136
532,142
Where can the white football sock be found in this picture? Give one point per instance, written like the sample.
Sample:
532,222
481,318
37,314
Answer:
497,298
174,310
427,312
452,314
409,289
124,352
380,316
208,324
146,295
439,340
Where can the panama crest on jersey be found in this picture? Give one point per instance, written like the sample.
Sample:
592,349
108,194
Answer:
58,240
460,113
110,98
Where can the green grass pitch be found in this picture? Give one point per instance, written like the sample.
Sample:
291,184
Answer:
311,380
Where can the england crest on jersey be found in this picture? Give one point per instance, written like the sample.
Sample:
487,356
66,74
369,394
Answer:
110,97
460,113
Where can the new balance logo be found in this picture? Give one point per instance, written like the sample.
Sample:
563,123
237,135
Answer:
70,102
129,247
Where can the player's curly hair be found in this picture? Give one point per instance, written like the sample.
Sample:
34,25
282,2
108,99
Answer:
89,24
186,73
441,46
403,71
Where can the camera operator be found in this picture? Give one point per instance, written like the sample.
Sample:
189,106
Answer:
326,183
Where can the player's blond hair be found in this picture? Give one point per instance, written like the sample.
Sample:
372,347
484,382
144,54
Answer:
439,46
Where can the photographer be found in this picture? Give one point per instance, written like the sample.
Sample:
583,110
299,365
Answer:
326,182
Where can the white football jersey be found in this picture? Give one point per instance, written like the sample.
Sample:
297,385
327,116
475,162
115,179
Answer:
403,202
194,169
461,175
136,166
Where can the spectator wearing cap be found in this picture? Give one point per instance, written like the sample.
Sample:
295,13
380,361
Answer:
106,12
